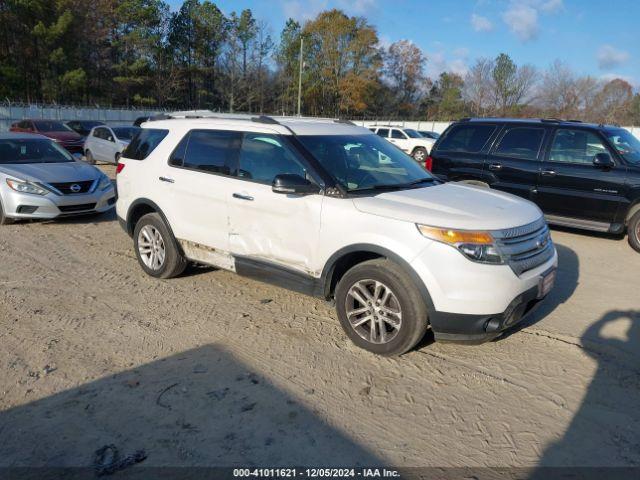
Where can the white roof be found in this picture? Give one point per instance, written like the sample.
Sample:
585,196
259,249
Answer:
244,122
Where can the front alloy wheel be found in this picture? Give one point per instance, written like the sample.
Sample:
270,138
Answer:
374,311
381,307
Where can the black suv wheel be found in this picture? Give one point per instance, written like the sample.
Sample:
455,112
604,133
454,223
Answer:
633,231
380,308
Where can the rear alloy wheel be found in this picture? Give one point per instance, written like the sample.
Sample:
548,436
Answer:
381,308
89,157
633,230
420,155
156,249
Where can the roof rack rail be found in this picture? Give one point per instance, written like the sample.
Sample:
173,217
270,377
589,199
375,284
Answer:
575,121
550,120
346,122
464,119
162,116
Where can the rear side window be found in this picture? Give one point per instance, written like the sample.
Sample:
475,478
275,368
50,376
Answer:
144,142
466,138
213,151
521,142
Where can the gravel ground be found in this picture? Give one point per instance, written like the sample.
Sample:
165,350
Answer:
214,369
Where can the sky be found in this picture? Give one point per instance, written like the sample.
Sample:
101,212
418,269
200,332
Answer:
595,37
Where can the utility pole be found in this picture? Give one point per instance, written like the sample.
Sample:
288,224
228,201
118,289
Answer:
300,76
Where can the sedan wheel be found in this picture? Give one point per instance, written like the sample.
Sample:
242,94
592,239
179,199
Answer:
89,157
420,155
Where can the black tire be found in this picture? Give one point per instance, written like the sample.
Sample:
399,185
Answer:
407,297
633,231
420,154
174,262
4,220
89,157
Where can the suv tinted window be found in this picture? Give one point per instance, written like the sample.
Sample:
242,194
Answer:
144,143
521,142
214,151
575,146
466,138
264,156
383,132
398,134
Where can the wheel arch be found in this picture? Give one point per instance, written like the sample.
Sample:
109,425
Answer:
138,209
347,257
633,209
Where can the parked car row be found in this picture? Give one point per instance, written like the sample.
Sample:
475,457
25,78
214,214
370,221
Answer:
92,139
580,175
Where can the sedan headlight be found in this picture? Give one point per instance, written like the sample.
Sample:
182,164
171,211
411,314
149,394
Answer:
26,187
477,246
105,183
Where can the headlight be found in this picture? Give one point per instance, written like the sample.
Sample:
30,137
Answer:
477,246
105,183
26,187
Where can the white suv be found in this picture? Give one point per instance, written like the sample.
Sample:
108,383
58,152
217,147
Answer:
329,209
407,140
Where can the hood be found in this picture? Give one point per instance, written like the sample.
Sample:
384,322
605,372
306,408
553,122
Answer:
64,136
452,205
51,172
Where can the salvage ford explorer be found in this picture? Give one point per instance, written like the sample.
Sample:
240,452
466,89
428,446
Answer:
330,209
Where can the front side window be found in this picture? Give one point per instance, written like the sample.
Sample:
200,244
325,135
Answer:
466,138
100,133
213,151
576,146
21,151
383,132
412,133
626,144
364,162
264,156
521,142
145,142
398,134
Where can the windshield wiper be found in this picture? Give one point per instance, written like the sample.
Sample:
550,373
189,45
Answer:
393,186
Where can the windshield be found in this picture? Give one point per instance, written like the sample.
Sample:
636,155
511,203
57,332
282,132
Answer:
125,133
20,151
412,133
50,126
364,162
626,144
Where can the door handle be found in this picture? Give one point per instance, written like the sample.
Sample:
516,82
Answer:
166,179
495,167
243,197
548,173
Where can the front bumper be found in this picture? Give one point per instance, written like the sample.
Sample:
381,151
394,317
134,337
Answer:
26,206
473,302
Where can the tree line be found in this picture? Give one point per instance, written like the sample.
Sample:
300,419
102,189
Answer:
139,53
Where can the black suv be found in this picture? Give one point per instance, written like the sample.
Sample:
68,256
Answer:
581,175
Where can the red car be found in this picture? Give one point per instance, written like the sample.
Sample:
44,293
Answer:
57,131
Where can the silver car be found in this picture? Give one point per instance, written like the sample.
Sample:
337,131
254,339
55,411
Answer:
41,180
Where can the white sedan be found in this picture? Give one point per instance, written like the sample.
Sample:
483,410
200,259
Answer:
106,144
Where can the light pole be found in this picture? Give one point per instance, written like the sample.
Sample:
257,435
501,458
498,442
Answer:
300,75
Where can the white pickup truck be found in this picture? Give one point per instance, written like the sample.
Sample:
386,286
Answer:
407,140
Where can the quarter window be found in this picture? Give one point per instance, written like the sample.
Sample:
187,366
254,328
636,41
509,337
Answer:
264,156
521,143
575,146
145,142
213,151
466,138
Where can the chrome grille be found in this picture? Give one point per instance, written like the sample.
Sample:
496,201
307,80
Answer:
526,247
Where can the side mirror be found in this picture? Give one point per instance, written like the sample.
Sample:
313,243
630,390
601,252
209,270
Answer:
288,183
603,160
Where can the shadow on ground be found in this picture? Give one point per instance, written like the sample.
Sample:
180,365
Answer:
605,431
202,407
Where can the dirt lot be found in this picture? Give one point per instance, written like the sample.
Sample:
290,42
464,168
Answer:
214,369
